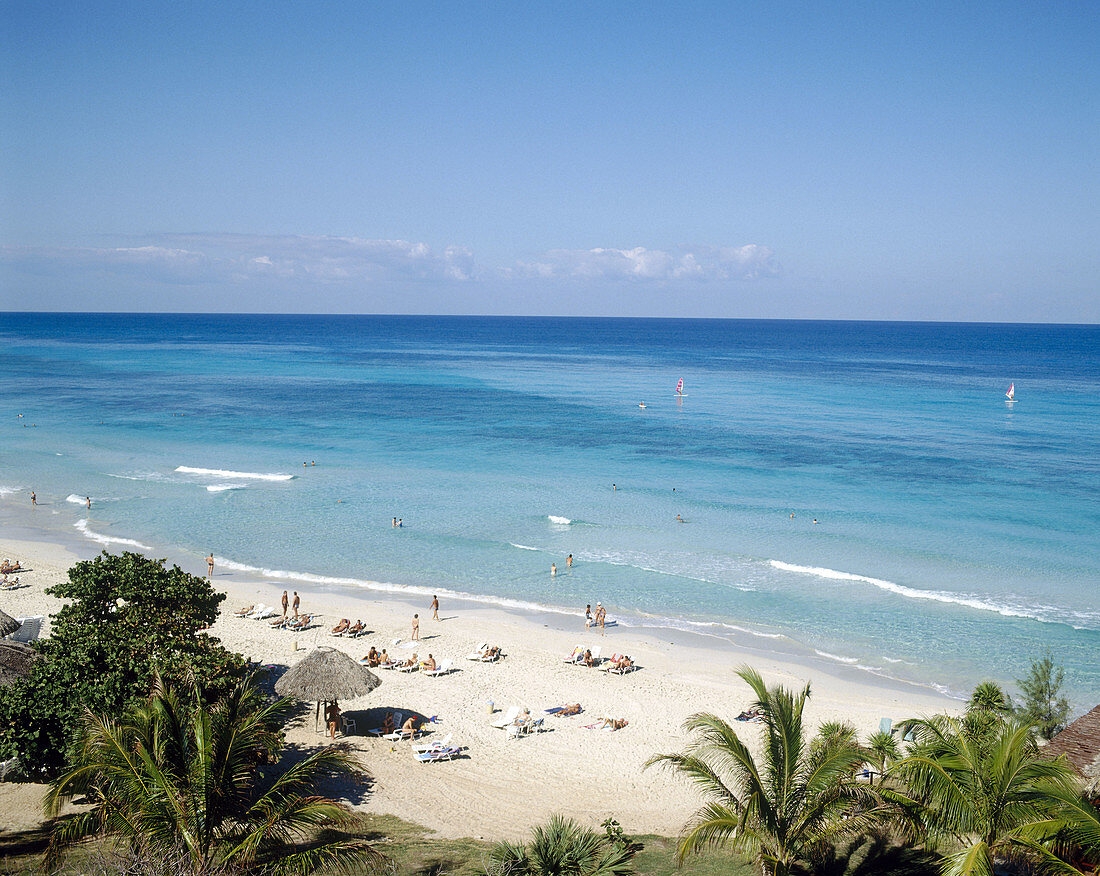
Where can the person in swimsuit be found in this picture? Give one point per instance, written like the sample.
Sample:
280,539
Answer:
435,608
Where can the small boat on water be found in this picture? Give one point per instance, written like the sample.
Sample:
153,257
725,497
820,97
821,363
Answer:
1010,396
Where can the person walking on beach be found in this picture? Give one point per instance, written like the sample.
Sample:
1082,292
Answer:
34,498
435,608
416,628
296,603
286,602
588,616
209,559
601,616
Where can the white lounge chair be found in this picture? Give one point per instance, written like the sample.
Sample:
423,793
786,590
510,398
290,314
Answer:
477,655
397,722
257,611
30,629
413,668
615,670
443,668
506,719
575,657
429,746
610,662
437,754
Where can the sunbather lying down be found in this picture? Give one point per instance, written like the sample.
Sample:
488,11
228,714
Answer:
340,627
571,709
243,611
7,567
608,724
755,715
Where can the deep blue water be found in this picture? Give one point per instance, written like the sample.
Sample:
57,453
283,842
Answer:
957,536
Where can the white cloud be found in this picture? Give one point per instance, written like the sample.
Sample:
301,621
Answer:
241,259
696,263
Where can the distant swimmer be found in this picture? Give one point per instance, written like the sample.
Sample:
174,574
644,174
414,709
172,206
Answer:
641,404
88,501
395,523
679,519
569,562
792,515
613,488
209,565
815,520
400,522
311,462
553,569
304,465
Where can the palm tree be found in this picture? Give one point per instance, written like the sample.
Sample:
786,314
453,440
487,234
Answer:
177,778
988,791
783,809
882,750
563,848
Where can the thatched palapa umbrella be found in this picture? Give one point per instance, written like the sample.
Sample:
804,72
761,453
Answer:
15,661
326,675
8,624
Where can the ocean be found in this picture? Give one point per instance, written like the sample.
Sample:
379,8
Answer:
939,534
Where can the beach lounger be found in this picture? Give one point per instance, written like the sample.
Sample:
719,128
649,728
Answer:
611,661
575,657
596,660
437,754
266,613
612,669
430,746
443,668
506,719
398,720
242,612
479,653
30,629
400,735
884,725
413,668
256,611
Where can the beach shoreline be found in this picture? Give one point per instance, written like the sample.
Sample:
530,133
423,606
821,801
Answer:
500,788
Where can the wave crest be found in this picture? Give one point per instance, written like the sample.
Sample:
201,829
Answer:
107,540
225,473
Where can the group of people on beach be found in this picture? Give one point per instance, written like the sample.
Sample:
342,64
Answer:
599,619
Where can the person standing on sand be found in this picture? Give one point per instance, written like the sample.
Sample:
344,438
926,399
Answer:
209,561
34,498
588,616
416,628
601,616
286,602
296,603
435,608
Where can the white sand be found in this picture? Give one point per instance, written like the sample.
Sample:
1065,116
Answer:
500,788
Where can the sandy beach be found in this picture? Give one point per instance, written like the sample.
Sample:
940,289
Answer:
499,787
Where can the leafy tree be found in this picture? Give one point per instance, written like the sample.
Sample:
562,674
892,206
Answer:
989,795
782,810
127,619
564,848
1042,705
989,697
883,750
200,784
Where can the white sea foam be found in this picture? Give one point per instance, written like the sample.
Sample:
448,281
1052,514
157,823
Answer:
522,547
240,475
106,540
910,592
75,499
145,476
219,488
7,491
838,658
400,589
561,521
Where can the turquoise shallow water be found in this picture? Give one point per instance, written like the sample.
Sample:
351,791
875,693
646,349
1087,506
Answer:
957,535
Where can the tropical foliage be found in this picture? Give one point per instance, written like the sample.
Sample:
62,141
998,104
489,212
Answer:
785,808
1043,705
127,620
200,783
983,792
564,848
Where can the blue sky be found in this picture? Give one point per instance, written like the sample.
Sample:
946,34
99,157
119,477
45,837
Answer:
875,160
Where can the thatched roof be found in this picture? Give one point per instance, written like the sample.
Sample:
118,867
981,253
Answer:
326,674
15,661
1080,743
8,624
